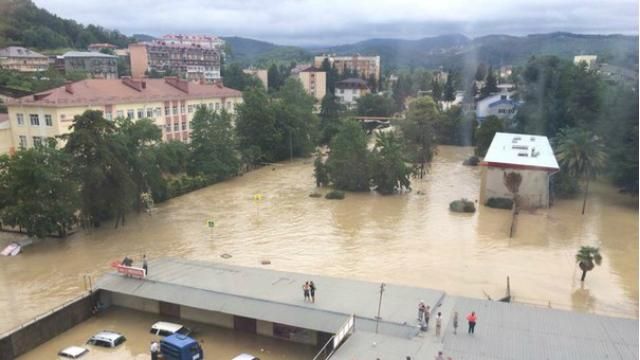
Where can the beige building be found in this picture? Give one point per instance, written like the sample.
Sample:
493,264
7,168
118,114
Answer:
529,155
362,65
169,102
22,59
6,141
260,74
590,60
313,81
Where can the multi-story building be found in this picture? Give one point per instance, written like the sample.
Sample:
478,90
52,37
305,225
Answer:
169,102
260,74
96,64
589,60
313,81
190,57
350,90
364,66
22,59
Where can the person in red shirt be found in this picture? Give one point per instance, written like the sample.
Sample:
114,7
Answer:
472,318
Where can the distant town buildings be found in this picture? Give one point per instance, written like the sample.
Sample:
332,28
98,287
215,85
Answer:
169,102
440,76
529,155
502,105
350,90
22,59
261,74
590,60
96,64
363,66
195,58
97,47
314,82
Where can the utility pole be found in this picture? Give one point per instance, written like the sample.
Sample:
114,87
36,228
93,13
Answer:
290,145
382,285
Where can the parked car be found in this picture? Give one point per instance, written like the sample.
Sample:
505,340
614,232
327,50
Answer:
107,338
163,328
73,352
246,357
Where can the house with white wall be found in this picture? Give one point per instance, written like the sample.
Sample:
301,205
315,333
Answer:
351,89
501,105
529,155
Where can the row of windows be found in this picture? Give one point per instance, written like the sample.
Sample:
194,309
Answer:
34,120
36,140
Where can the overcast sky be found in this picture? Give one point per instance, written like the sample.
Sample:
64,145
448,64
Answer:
332,22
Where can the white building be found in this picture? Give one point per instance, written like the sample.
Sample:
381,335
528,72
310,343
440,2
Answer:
501,105
590,60
446,105
529,155
350,90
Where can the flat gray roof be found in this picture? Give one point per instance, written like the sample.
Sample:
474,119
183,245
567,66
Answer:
503,331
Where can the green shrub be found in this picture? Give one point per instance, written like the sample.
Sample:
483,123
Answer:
500,203
335,195
462,205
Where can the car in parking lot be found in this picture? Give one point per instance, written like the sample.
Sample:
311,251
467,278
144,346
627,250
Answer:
246,357
163,328
106,338
72,352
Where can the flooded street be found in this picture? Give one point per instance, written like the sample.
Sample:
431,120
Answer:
409,239
216,342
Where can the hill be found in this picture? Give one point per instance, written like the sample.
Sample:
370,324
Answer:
23,23
261,53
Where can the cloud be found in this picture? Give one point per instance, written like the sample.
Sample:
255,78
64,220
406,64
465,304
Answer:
342,21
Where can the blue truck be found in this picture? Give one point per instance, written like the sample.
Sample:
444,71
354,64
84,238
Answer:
180,347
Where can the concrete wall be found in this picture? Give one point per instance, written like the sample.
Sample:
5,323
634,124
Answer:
136,303
208,317
45,328
534,189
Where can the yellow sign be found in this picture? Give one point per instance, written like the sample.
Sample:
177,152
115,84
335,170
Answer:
257,197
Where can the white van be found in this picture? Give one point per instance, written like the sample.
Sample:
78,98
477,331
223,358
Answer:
163,328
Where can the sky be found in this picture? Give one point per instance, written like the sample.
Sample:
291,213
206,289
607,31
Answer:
334,22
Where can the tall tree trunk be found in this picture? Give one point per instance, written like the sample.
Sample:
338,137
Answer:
586,191
584,274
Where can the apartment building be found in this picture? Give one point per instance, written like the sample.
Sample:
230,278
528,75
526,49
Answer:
364,66
193,58
314,82
169,102
348,91
96,64
22,59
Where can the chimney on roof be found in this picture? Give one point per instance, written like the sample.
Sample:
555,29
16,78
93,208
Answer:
68,87
134,84
180,84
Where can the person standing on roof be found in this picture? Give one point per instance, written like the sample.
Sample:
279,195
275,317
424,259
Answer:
440,356
427,315
145,266
312,291
438,323
455,323
421,308
305,291
472,318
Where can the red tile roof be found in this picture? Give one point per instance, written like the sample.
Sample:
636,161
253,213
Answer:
124,91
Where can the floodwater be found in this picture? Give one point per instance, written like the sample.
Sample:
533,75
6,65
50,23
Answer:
409,238
216,342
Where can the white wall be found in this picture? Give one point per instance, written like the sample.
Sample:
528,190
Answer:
534,189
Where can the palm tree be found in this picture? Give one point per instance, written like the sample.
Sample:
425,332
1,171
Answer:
512,182
587,258
581,154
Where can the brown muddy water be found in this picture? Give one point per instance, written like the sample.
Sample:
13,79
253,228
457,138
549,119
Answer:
217,342
408,238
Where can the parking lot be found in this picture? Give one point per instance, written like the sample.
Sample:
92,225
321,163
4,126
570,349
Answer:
217,343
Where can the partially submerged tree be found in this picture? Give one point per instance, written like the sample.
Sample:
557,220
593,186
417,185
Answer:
419,133
587,258
389,171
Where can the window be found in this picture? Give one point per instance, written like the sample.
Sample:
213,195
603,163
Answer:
35,120
217,106
190,109
176,127
47,120
149,113
120,114
157,111
37,140
108,116
140,113
182,109
130,114
20,119
167,111
175,110
23,142
184,125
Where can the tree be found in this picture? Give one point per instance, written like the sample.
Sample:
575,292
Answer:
587,258
38,192
213,153
320,171
436,90
581,154
347,164
389,171
172,156
484,135
375,105
419,133
274,77
491,84
512,181
331,75
256,127
295,120
330,121
481,72
449,93
106,187
235,78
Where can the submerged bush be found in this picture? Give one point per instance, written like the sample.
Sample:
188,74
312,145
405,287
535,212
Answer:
315,195
500,203
472,161
462,205
335,195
